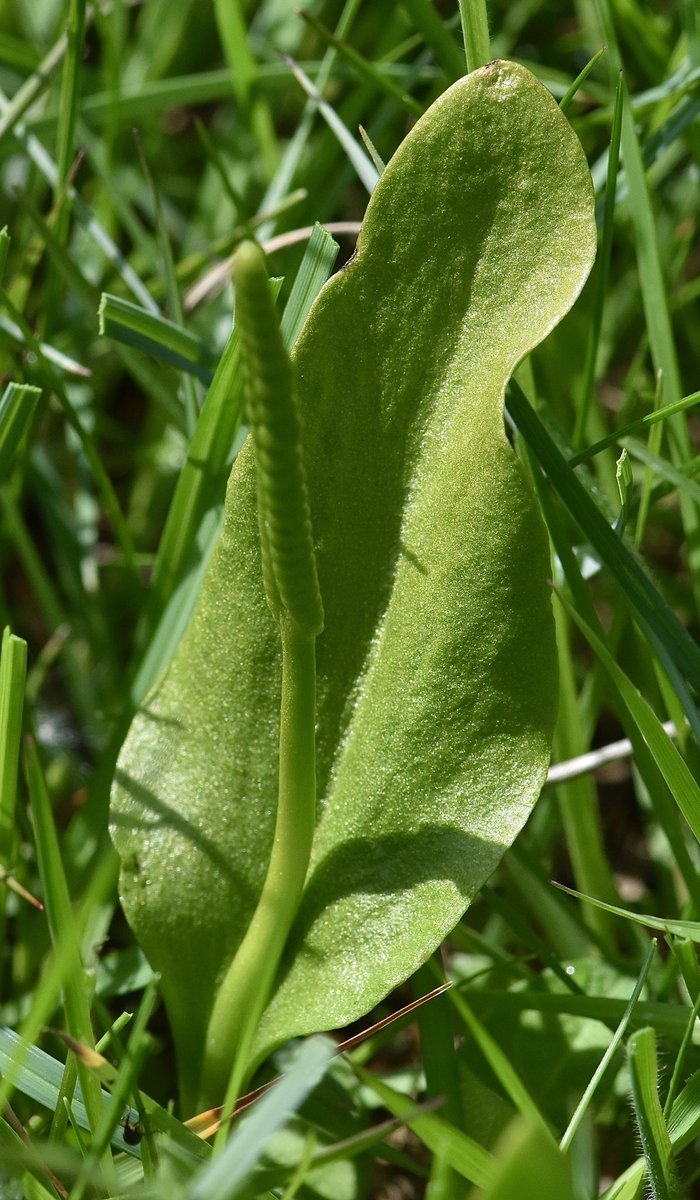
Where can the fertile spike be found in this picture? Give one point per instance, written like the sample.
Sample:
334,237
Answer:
288,559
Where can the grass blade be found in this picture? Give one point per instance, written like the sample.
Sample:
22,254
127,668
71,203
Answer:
687,929
602,269
462,1153
683,786
365,69
655,616
244,74
650,419
362,163
447,53
228,1172
64,932
475,28
650,1121
13,670
607,1058
164,340
500,1065
580,79
18,405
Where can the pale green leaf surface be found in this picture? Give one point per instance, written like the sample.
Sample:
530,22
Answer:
436,670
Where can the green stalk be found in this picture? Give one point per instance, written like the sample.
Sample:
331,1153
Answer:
246,988
291,585
475,27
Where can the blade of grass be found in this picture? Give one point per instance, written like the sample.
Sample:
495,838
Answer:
447,53
62,926
567,933
152,383
683,786
217,160
71,78
654,447
92,455
229,1170
316,267
164,340
41,1077
19,1049
602,271
63,361
216,277
47,168
13,671
18,52
475,29
679,1065
671,680
172,292
365,69
530,1166
463,1154
664,469
150,98
663,803
522,927
656,1142
688,929
500,1064
653,288
441,1064
692,30
577,798
32,87
138,1047
362,164
292,156
580,79
596,1079
670,1020
652,611
684,1121
50,603
19,1157
244,76
18,405
372,149
650,419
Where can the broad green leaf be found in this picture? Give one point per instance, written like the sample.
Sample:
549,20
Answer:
436,670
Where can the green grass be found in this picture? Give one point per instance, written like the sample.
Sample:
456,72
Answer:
565,1059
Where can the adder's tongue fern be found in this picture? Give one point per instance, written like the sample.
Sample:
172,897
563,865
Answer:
288,561
291,586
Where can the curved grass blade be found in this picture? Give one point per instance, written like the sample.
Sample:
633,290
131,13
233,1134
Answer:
641,1055
650,608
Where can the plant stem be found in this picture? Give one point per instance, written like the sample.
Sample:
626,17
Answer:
475,27
246,988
